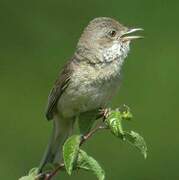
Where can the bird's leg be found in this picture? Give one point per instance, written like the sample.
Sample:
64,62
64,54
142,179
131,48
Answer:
103,113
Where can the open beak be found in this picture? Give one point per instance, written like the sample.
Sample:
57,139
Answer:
127,37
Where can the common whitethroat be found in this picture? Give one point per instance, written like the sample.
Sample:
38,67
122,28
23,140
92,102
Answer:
88,80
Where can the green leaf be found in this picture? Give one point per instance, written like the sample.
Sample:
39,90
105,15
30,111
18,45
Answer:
113,121
88,163
70,152
31,176
137,141
126,113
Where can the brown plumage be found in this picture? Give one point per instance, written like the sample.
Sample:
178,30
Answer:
87,81
59,87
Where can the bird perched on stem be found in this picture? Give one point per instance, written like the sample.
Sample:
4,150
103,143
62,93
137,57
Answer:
87,82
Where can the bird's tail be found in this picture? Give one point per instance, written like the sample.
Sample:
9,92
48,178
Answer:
61,131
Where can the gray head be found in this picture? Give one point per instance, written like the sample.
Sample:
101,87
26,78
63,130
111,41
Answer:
106,38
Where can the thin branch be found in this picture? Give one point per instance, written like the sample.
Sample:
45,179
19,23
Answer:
49,176
101,126
91,133
54,172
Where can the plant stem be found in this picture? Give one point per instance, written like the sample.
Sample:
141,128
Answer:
49,176
54,172
91,133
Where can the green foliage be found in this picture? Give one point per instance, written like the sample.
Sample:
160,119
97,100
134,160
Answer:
31,175
126,113
70,152
75,158
88,163
114,123
137,141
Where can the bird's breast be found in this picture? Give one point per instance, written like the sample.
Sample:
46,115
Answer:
90,87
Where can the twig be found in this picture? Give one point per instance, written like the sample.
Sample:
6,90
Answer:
91,133
100,126
54,172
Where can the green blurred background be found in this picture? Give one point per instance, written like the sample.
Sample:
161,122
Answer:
37,37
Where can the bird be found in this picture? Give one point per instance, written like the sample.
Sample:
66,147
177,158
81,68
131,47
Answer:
88,80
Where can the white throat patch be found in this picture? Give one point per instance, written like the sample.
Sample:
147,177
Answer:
117,51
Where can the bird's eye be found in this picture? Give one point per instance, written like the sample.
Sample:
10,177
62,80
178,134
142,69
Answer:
112,33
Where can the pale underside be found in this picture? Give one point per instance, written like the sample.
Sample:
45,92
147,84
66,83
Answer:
92,86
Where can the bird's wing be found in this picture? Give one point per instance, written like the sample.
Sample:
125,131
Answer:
59,87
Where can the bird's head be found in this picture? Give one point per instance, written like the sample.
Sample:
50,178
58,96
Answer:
107,38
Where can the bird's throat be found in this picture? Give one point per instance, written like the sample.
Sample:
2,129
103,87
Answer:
118,51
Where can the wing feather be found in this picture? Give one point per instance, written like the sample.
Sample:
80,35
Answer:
59,87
